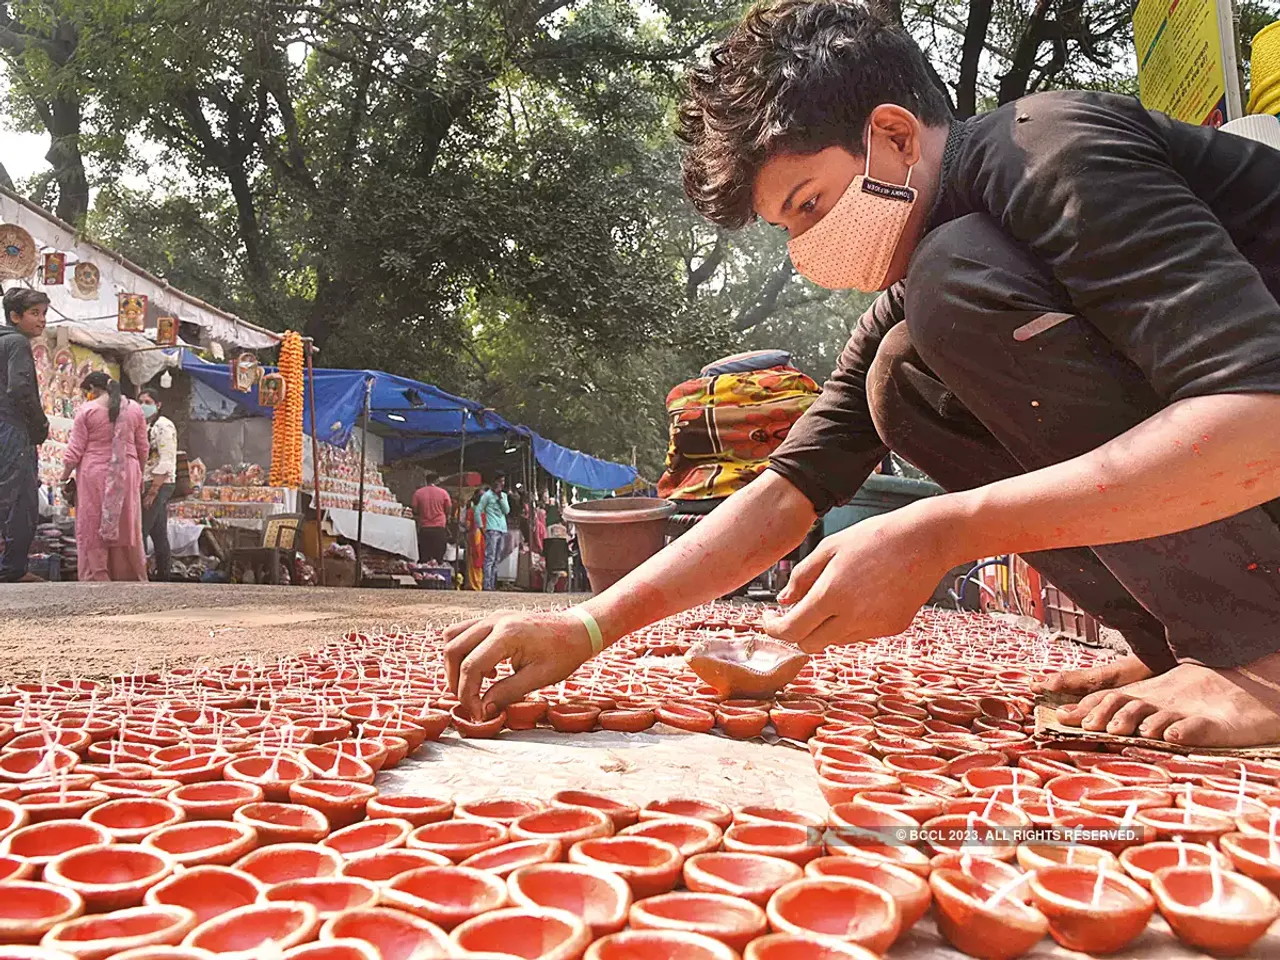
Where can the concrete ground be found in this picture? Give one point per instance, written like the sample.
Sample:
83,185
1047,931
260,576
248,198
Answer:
97,629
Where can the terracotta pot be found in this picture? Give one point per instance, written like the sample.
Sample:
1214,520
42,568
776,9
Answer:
418,809
215,843
41,843
100,937
698,809
649,866
343,802
385,865
30,910
109,876
477,729
215,801
686,717
566,824
600,898
290,861
1252,856
689,835
1228,925
743,725
394,934
618,534
752,877
329,895
660,945
973,925
730,920
1083,916
446,896
909,891
502,861
573,718
526,714
504,810
326,763
346,949
283,822
796,724
621,813
55,805
119,789
273,774
786,841
15,868
369,837
459,839
252,932
206,891
133,818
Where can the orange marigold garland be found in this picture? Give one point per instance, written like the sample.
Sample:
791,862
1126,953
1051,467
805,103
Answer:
286,427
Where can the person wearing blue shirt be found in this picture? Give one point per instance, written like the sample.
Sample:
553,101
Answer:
491,514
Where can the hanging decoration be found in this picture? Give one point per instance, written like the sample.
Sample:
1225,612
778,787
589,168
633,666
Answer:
17,252
54,271
272,389
131,312
85,279
245,372
286,427
167,331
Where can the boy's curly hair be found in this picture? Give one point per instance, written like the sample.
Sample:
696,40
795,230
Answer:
794,76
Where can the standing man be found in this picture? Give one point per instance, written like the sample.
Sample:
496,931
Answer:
431,506
159,477
492,513
23,427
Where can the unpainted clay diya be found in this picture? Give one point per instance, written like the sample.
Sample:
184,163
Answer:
755,667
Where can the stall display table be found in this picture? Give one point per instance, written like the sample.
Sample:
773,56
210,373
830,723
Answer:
397,535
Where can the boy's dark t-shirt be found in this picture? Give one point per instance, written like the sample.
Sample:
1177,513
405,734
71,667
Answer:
1164,236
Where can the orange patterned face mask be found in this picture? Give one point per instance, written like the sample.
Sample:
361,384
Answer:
852,246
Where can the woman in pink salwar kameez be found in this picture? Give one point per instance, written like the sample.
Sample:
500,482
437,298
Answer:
107,450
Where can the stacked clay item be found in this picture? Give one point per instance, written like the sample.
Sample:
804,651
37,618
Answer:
236,810
286,423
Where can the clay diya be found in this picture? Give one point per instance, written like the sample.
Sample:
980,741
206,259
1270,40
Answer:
119,789
690,836
394,934
984,924
343,802
345,949
1142,862
755,667
283,822
418,809
795,946
133,818
1074,787
111,935
326,763
837,907
538,934
742,724
526,714
1091,910
649,866
503,860
476,729
658,944
622,814
254,931
840,786
385,865
15,868
459,839
329,895
159,952
273,774
750,876
37,763
708,810
1255,857
290,861
206,891
918,807
12,817
632,720
1039,855
215,801
573,717
60,805
1199,826
446,896
730,920
504,810
793,723
41,843
1212,910
686,717
909,891
601,899
566,824
786,841
109,876
759,813
30,910
215,843
369,837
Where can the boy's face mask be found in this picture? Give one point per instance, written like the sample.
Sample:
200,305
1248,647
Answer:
852,246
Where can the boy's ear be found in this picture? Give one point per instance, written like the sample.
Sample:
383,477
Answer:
894,127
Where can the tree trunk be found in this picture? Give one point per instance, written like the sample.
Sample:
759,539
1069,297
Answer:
1014,83
259,276
975,36
63,121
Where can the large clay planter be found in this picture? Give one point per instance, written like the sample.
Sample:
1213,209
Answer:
730,920
133,818
459,839
747,875
110,876
1066,896
837,907
506,859
385,865
290,861
396,935
618,534
691,836
793,946
41,843
418,809
909,891
786,841
566,824
369,837
329,895
622,814
447,896
1226,927
343,802
602,899
504,810
283,822
207,892
30,910
204,843
649,866
973,925
660,945
101,937
215,801
708,810
248,933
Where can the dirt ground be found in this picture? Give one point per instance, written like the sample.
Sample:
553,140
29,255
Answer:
97,629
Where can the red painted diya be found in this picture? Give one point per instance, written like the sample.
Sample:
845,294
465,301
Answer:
600,898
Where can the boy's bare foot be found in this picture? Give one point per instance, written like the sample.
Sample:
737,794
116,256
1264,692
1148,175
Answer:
1190,705
1077,683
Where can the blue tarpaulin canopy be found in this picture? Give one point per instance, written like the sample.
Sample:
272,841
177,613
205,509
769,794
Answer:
415,419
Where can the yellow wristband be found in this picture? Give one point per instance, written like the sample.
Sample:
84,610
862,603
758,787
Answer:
593,629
